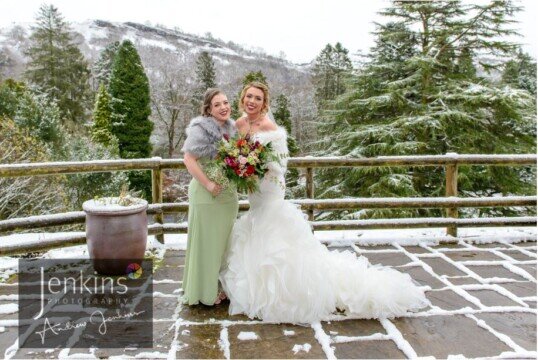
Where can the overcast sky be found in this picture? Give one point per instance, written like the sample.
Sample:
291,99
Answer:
299,28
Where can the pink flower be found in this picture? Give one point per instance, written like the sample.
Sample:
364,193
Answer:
230,162
242,160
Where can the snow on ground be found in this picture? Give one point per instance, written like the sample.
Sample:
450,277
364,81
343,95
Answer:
157,43
425,238
9,308
408,237
247,335
305,347
404,237
89,30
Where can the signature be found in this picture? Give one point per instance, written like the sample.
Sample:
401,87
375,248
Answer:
97,315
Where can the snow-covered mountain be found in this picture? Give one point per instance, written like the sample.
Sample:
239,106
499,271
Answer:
153,43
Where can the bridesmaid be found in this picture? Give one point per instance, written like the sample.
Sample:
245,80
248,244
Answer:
212,210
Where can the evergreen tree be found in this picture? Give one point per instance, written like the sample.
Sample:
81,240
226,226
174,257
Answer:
101,131
86,186
282,116
35,113
10,93
254,76
250,77
129,89
331,68
102,69
41,117
423,97
520,73
205,77
205,70
57,66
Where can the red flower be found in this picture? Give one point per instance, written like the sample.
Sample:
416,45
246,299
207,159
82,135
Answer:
241,142
226,137
250,170
238,172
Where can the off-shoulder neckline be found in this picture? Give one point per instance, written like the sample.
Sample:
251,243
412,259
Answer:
279,128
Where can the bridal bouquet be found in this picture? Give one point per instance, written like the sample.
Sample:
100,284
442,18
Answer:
244,161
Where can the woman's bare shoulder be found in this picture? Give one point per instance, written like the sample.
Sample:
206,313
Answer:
268,125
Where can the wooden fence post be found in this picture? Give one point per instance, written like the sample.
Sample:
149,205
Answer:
157,198
310,190
451,174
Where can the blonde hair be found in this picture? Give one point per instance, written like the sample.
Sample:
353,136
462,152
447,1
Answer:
260,86
208,97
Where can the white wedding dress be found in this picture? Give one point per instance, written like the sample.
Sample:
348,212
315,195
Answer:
277,271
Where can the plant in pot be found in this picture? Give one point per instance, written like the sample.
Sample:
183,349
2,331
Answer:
116,232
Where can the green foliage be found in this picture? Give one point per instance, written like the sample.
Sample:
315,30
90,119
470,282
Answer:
254,76
26,196
420,94
331,68
86,186
205,70
205,77
57,66
101,131
129,89
35,112
520,73
282,116
10,91
102,69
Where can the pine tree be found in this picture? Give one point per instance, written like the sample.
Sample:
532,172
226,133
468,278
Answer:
250,77
205,70
35,113
331,68
205,77
282,116
520,73
129,89
423,97
101,131
102,69
254,76
57,66
41,117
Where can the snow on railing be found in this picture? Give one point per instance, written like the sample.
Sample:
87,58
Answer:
451,202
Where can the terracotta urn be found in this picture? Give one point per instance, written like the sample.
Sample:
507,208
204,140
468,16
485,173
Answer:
116,234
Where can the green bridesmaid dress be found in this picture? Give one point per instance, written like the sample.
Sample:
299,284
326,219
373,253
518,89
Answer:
210,223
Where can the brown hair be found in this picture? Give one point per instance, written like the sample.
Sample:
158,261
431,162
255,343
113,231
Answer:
260,86
208,97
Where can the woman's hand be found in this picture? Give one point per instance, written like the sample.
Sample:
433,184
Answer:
196,171
214,188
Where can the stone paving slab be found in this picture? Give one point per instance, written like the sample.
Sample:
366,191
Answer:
441,336
273,341
474,313
373,349
521,324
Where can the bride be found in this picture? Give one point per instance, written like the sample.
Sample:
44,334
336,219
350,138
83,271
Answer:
277,271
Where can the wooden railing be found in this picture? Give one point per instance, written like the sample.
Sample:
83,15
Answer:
451,203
